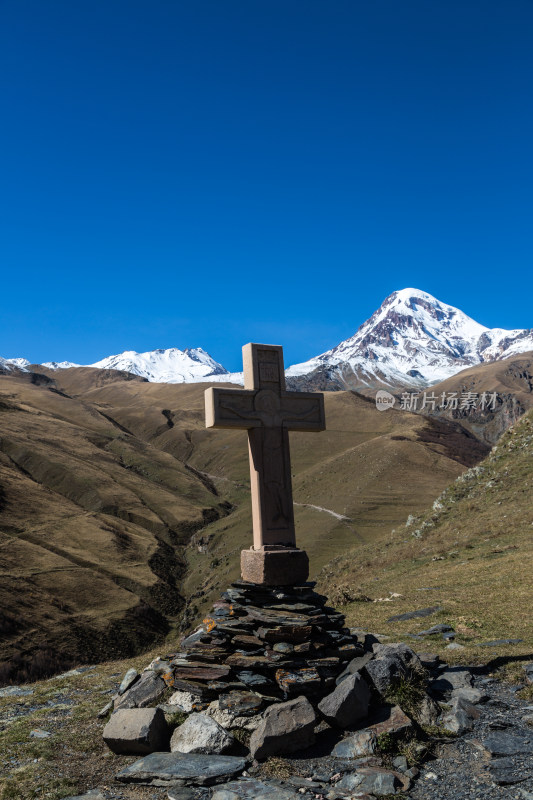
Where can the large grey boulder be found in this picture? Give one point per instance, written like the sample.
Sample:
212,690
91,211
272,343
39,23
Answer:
428,711
182,769
392,662
229,719
200,734
347,703
285,728
145,692
137,730
450,679
460,717
360,743
470,694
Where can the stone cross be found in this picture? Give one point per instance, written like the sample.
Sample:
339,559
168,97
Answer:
268,411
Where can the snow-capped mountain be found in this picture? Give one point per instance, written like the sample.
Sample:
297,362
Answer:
414,340
59,364
167,366
9,363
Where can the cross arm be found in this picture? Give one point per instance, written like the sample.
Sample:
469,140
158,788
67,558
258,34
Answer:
303,411
230,408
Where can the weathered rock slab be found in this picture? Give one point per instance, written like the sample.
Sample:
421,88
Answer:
182,769
348,703
137,730
355,665
507,744
200,734
390,719
128,680
92,794
460,717
228,719
505,772
253,790
285,728
145,692
361,743
372,780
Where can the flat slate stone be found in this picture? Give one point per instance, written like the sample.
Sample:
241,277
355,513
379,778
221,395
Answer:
202,673
268,616
505,772
422,612
507,744
253,790
182,769
253,678
498,642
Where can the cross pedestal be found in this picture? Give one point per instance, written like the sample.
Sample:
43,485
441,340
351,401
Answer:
268,412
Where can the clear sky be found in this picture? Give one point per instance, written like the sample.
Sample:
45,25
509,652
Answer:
180,173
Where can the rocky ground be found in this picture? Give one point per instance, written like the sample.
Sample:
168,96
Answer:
491,757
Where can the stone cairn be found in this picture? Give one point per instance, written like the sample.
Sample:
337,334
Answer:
276,641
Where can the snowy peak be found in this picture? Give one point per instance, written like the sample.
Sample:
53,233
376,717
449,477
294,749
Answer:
59,364
166,366
414,339
8,364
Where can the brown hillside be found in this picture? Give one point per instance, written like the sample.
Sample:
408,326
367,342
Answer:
116,503
512,379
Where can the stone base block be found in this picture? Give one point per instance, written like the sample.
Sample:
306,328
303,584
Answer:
283,567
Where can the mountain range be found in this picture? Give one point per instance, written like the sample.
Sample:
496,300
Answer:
413,340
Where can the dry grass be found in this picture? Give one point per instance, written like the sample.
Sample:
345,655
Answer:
470,554
74,758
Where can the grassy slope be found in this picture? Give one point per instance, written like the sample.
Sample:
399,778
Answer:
471,554
93,526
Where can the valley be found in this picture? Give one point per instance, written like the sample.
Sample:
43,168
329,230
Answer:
121,511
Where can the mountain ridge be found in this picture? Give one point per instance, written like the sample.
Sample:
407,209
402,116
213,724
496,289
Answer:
412,340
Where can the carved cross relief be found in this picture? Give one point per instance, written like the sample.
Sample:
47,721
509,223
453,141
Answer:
268,411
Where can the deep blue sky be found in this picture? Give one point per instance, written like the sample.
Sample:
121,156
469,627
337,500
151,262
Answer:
210,172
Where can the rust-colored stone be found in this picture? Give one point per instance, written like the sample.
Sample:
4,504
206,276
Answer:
298,681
